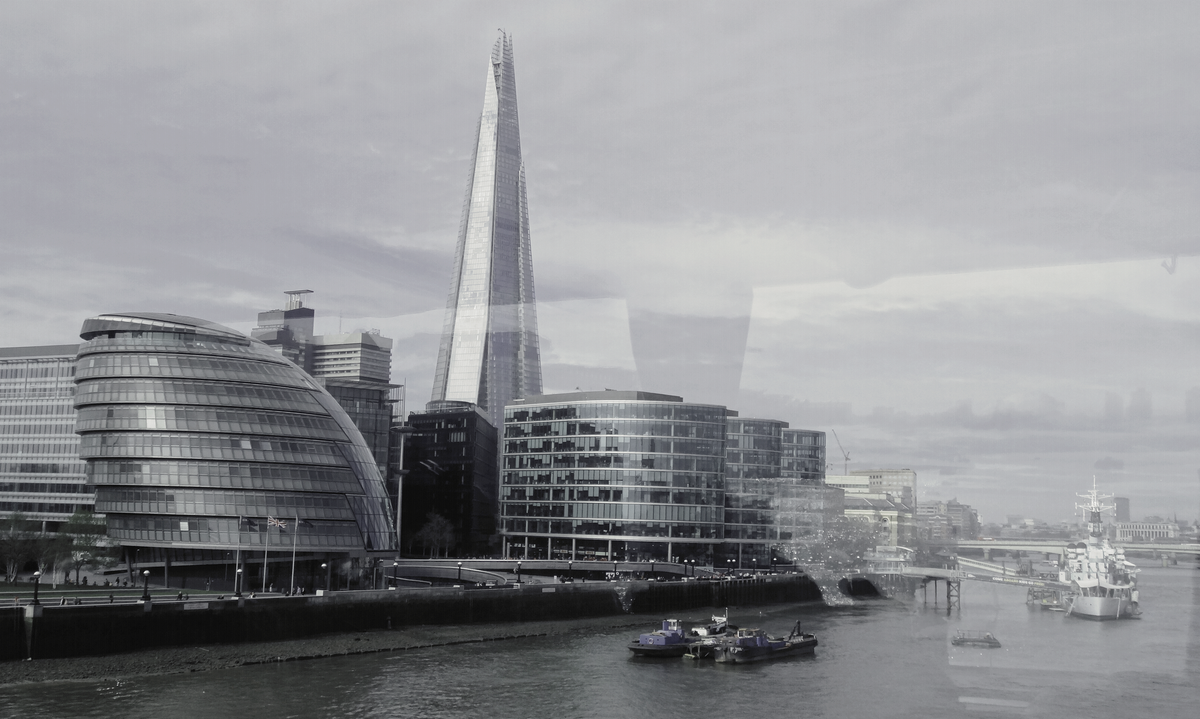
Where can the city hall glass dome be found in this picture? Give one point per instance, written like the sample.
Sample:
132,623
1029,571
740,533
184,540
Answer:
194,435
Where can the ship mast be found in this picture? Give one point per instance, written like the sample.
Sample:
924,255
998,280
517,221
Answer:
1094,508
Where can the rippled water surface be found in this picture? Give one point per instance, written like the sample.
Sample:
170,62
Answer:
887,658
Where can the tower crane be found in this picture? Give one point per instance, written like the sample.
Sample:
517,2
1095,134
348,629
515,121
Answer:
845,454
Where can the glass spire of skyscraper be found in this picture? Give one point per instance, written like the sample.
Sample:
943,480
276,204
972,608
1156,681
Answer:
489,351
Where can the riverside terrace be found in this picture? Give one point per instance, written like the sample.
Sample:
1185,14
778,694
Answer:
101,626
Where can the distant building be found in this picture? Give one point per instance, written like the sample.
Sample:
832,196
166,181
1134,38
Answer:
354,367
1122,509
612,475
1147,530
450,463
946,521
900,483
41,475
195,436
893,520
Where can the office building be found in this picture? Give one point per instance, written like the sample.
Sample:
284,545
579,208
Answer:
41,475
489,350
900,483
804,505
753,459
450,472
194,435
946,520
612,475
1121,505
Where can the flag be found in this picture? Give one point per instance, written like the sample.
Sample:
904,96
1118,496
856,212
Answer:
272,522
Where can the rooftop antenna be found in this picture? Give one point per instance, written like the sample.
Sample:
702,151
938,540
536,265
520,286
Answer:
845,454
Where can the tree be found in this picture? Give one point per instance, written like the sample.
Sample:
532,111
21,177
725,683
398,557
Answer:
14,545
437,534
83,547
843,544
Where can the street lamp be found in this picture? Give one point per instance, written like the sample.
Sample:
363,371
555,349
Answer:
518,572
146,586
396,573
460,571
37,579
325,568
571,571
616,573
237,583
652,575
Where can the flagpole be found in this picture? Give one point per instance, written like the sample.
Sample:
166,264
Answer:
237,563
266,551
295,536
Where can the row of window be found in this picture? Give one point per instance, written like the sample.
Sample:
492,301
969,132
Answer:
27,392
673,513
41,467
598,494
306,506
105,366
612,530
36,370
37,428
189,392
45,487
43,507
616,460
633,427
208,446
627,477
225,532
166,342
617,410
41,449
225,475
202,419
43,409
616,444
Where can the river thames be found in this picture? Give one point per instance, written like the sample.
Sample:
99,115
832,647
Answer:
876,658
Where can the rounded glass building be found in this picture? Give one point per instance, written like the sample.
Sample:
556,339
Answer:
612,476
201,441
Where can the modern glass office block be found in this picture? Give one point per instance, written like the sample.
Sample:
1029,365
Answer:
753,458
612,476
41,475
194,435
489,352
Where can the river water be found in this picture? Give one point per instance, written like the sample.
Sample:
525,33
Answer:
886,658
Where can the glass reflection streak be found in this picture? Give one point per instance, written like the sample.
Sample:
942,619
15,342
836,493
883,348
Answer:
186,425
639,476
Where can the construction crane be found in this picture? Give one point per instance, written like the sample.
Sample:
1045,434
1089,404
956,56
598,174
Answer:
845,454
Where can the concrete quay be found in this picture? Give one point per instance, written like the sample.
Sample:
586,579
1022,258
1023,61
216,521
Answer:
45,631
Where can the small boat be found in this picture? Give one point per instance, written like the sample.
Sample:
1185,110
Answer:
718,627
753,645
969,638
670,641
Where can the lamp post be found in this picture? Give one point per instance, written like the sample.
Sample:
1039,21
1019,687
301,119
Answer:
325,568
146,586
755,560
652,574
616,574
396,573
460,572
37,579
518,572
237,583
571,571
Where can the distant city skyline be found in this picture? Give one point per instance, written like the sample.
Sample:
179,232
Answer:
964,237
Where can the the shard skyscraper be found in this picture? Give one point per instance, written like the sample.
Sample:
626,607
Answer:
489,350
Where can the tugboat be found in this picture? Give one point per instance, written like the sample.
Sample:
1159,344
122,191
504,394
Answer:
754,645
969,638
1103,584
669,641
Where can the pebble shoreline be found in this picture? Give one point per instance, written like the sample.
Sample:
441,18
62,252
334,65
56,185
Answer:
183,660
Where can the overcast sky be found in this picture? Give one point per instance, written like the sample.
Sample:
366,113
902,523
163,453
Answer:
963,235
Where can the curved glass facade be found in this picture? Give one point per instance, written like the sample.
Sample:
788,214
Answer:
195,434
634,477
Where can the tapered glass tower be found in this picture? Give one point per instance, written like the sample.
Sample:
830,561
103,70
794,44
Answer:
489,350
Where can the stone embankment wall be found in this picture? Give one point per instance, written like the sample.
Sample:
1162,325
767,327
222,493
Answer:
68,631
